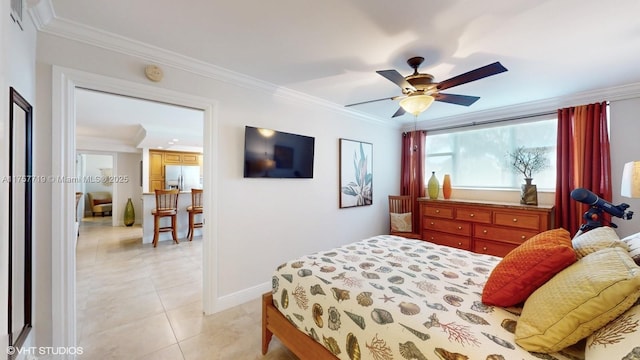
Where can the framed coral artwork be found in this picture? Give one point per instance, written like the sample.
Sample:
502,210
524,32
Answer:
356,173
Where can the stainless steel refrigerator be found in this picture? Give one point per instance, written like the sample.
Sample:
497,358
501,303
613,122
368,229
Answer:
182,177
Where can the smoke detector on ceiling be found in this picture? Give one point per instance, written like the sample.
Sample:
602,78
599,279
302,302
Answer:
153,73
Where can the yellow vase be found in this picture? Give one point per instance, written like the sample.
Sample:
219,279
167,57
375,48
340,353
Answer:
433,186
129,214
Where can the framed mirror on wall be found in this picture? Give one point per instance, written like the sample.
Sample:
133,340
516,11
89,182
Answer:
20,220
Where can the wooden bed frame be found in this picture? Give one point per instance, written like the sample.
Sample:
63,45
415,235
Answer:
299,343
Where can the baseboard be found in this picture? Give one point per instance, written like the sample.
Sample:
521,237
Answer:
242,296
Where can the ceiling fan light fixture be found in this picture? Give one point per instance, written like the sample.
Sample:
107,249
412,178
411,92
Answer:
415,104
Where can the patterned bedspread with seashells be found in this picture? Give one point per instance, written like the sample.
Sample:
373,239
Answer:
388,297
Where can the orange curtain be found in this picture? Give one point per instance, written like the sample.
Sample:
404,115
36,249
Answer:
583,161
412,170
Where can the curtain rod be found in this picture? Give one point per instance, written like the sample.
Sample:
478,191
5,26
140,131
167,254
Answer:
477,123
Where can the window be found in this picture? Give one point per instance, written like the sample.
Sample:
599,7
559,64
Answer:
478,158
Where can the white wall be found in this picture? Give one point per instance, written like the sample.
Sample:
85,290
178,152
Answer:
17,70
262,222
92,165
128,166
625,147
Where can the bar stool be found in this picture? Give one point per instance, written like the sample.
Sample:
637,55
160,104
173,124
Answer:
166,206
194,209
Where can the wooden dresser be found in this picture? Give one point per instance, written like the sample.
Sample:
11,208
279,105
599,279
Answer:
483,227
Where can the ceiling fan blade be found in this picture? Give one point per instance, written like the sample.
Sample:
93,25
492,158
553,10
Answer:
396,78
399,112
463,100
370,101
473,75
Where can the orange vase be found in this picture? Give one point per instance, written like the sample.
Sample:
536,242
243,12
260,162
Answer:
446,186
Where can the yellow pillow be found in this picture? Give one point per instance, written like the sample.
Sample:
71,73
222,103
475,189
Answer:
401,222
578,301
597,239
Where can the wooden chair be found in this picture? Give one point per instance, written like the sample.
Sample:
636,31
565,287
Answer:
166,206
194,209
401,216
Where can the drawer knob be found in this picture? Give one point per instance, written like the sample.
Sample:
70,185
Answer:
515,219
459,227
437,211
484,248
523,237
432,238
485,231
432,223
459,244
472,215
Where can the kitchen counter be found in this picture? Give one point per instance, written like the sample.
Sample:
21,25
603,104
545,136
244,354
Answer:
149,203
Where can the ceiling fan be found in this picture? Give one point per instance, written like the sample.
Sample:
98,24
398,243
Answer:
419,90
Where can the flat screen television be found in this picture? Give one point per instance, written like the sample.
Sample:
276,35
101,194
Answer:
276,154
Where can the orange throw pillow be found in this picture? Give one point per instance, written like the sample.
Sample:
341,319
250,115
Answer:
527,267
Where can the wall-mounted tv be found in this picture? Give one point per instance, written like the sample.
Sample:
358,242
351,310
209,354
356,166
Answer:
276,154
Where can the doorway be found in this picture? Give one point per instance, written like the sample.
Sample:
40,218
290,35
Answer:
91,167
65,83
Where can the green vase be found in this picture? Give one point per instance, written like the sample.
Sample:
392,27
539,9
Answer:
129,214
433,186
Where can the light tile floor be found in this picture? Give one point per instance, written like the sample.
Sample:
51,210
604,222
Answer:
137,302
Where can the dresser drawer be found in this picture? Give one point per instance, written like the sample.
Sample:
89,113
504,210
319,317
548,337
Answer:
516,236
459,242
492,247
473,215
448,226
517,219
444,212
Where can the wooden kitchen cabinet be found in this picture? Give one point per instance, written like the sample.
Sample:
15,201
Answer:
493,228
172,158
158,159
156,171
190,159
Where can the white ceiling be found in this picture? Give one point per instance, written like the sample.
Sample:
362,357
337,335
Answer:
331,49
153,125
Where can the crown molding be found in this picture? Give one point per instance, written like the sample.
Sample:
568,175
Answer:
47,22
532,108
139,135
41,13
93,143
43,16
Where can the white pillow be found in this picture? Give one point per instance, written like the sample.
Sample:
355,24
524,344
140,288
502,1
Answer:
401,222
597,239
633,241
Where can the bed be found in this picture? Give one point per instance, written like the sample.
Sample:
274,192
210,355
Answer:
388,297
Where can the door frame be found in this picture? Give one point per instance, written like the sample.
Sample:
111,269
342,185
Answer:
63,148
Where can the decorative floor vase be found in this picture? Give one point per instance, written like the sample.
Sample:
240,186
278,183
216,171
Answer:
446,186
129,214
528,193
433,186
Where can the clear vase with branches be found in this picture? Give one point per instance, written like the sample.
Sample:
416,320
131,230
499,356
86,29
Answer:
528,161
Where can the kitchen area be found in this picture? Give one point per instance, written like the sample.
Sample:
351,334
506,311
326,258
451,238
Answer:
169,170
